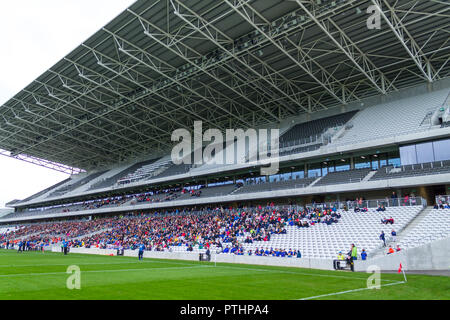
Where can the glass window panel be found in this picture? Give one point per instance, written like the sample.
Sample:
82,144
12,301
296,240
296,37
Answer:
375,165
362,164
314,173
441,150
298,175
408,155
344,167
330,167
286,176
394,162
425,152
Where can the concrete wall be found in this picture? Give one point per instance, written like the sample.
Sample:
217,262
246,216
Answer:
324,264
432,256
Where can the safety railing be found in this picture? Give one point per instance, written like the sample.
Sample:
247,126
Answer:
442,199
375,203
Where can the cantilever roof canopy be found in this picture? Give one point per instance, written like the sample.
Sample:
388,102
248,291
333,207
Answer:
163,64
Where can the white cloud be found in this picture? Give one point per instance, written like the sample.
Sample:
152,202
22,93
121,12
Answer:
34,36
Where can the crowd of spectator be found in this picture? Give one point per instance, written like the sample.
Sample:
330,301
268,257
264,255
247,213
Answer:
152,196
157,196
86,205
52,233
113,201
441,205
225,229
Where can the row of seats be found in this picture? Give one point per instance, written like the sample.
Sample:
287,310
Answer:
118,173
307,132
389,172
392,118
300,149
145,171
173,170
67,188
433,226
321,241
278,185
338,177
213,191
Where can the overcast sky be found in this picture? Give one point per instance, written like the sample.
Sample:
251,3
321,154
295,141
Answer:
34,35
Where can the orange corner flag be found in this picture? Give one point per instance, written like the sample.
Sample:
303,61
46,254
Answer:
400,268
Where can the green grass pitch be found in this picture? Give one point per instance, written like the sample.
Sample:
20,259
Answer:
36,275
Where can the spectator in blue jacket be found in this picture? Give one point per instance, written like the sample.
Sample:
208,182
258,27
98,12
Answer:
383,238
394,235
363,254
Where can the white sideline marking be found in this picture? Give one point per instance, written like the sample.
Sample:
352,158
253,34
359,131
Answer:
116,270
304,273
91,263
348,291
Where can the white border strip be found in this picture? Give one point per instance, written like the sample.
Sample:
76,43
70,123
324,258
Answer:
91,271
348,291
300,273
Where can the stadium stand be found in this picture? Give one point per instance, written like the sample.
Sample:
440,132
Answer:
73,207
430,168
338,177
173,170
366,107
294,150
5,231
158,196
162,168
130,199
392,118
79,182
313,130
141,170
433,224
162,195
116,174
277,185
361,228
145,170
270,227
216,191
